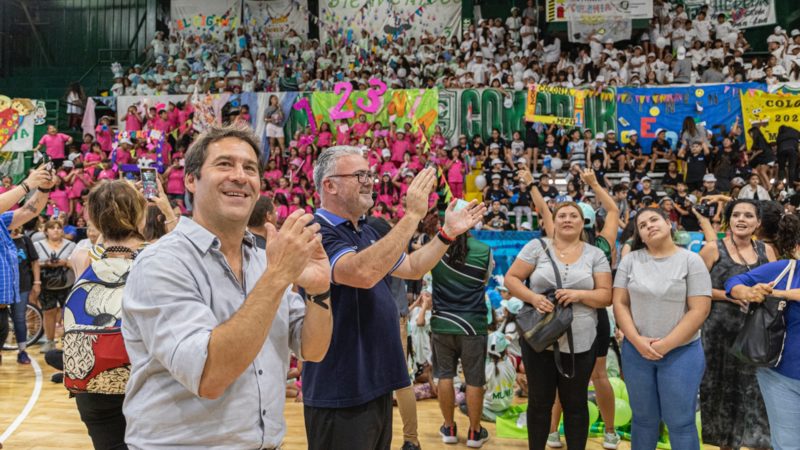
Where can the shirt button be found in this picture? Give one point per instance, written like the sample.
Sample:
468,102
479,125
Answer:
260,372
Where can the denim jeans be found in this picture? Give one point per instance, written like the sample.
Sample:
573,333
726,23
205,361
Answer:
781,397
18,313
664,390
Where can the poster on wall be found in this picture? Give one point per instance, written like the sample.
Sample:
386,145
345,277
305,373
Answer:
197,17
389,20
277,17
771,111
741,13
16,124
648,109
565,10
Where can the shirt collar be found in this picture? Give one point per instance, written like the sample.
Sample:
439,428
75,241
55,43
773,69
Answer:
204,239
335,220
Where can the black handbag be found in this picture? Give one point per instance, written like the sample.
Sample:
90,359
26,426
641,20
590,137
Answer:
542,330
56,278
761,338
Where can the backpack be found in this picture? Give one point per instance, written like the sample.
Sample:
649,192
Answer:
95,359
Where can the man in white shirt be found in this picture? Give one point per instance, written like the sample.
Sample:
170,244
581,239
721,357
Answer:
723,27
478,69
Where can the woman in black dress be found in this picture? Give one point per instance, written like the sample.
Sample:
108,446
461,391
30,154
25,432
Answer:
731,408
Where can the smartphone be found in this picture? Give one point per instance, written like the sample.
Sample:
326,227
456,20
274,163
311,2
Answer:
149,183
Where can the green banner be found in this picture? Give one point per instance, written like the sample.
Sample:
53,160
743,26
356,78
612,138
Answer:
395,106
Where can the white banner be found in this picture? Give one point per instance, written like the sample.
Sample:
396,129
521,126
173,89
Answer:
389,19
277,17
608,28
561,11
196,17
741,13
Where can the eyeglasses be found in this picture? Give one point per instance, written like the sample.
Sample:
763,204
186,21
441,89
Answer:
363,176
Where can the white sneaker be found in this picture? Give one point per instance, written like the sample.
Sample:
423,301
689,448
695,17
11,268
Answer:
610,441
47,346
554,440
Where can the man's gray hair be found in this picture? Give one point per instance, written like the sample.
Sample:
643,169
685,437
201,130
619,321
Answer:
326,162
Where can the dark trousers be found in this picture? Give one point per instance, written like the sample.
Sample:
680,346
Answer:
4,314
787,165
102,415
362,427
543,382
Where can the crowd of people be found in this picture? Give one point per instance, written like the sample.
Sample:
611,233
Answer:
358,231
507,54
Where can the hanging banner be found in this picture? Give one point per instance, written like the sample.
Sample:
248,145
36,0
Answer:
741,13
570,107
616,28
198,17
16,124
564,10
277,17
388,106
771,111
389,20
648,109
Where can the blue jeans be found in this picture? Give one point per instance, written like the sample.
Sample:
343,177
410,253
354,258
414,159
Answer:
18,312
664,390
781,397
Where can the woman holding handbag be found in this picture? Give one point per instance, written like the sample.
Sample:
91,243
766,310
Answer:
780,385
730,401
57,277
662,295
580,277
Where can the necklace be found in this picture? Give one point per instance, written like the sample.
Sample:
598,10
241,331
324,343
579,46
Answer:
739,254
563,252
120,249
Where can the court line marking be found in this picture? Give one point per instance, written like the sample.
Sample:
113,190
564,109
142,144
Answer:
37,389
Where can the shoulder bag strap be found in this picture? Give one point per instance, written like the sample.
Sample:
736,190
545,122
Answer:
552,262
786,270
570,343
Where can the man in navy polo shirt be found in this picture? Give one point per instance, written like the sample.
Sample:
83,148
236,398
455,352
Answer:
348,395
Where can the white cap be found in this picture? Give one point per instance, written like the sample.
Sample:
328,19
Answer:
681,53
625,179
795,32
691,198
778,29
633,133
386,153
609,41
497,161
709,177
522,161
599,136
525,226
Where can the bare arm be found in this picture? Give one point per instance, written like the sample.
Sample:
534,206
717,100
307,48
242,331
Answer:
611,226
699,307
32,208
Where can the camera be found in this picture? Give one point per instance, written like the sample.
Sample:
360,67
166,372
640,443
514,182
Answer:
705,209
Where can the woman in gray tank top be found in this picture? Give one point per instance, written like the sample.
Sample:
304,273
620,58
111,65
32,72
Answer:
731,405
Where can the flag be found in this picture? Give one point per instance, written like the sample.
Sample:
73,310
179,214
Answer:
444,185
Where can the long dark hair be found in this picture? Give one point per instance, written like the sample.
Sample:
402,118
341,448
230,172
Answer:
771,213
726,215
457,253
638,243
788,235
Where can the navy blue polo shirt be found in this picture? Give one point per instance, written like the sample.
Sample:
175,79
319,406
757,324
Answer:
365,358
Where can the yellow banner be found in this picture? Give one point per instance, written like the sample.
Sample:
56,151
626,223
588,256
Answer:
564,121
769,110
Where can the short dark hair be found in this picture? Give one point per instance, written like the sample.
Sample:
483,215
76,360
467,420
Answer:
263,207
196,155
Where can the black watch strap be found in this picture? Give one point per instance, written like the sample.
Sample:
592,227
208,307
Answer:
319,299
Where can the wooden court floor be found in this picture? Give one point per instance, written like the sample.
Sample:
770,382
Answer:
53,421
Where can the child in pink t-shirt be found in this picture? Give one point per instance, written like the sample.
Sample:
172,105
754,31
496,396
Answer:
324,137
455,173
86,145
343,132
133,122
103,134
361,128
399,146
55,143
